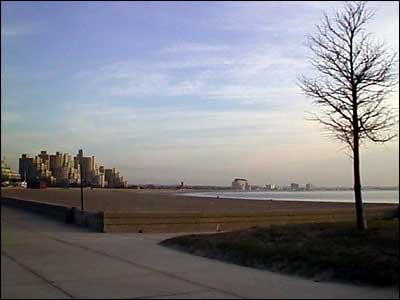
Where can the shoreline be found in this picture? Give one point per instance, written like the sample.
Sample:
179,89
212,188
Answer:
252,195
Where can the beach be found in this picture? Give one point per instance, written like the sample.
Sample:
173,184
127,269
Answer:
164,201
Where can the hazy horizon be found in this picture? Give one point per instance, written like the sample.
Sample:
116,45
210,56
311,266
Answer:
200,92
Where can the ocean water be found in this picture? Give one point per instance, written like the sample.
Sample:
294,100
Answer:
370,196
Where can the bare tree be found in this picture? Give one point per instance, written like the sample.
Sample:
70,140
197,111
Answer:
355,76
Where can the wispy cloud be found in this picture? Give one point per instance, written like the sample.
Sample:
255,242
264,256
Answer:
236,74
264,18
192,47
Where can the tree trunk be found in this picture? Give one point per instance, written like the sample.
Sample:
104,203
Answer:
361,222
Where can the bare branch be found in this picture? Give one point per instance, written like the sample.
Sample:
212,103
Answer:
357,75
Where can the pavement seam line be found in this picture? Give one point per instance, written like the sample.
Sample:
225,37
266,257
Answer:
36,274
171,294
171,275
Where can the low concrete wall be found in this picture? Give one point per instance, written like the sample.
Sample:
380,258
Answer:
87,219
51,210
69,215
151,222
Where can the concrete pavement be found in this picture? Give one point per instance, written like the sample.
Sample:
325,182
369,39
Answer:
43,258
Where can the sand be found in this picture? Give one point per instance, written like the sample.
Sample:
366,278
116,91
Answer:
162,200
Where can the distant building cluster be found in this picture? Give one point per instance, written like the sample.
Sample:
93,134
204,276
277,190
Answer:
293,187
7,174
62,169
240,184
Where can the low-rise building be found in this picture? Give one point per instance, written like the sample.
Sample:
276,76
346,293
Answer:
7,174
241,184
294,186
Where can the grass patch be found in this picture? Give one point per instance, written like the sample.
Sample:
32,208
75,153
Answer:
319,251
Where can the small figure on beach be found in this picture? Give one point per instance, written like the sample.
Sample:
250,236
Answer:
217,197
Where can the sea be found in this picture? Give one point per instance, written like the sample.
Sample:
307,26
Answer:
369,196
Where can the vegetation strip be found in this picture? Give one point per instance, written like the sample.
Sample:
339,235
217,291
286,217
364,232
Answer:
319,251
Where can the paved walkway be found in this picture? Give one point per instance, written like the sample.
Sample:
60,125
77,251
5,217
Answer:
43,258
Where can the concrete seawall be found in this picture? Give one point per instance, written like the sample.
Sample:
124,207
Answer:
51,210
150,222
164,222
87,219
72,215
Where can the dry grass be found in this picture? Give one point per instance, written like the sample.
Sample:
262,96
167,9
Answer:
319,251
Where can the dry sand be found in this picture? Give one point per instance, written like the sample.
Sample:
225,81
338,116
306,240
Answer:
162,200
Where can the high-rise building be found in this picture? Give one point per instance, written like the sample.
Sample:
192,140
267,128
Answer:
26,168
99,180
35,168
87,171
63,169
45,158
108,176
93,165
113,179
294,186
90,171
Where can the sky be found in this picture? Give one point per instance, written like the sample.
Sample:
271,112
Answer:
200,92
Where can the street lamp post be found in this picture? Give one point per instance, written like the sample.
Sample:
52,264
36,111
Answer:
80,163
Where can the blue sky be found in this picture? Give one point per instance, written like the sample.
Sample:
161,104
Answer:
167,91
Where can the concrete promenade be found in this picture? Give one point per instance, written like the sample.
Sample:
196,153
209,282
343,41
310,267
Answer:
43,258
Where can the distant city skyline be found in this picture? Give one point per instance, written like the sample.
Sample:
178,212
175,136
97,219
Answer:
64,169
167,92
